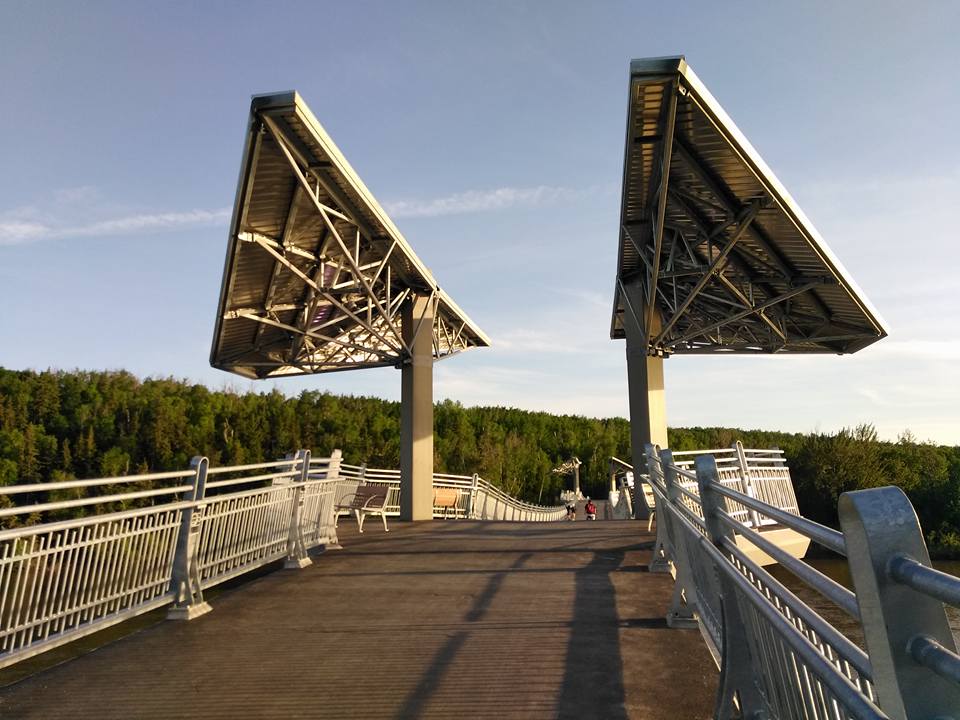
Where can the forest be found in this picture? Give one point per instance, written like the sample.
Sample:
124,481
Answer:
58,425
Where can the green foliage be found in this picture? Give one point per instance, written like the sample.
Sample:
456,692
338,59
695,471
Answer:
90,424
57,425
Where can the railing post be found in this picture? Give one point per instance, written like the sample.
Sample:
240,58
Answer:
878,526
188,602
683,604
660,561
329,509
738,687
296,549
471,508
626,496
333,469
747,481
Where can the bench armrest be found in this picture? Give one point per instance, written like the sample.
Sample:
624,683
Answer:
381,501
346,501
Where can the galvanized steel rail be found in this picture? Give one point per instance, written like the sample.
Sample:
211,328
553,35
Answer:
778,658
477,498
161,539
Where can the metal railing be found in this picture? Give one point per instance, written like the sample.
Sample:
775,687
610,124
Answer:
477,499
778,658
148,541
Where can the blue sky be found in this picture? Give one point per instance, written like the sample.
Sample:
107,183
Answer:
493,133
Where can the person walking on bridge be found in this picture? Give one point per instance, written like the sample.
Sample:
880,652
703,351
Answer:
590,509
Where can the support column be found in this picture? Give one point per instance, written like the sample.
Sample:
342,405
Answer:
648,408
416,412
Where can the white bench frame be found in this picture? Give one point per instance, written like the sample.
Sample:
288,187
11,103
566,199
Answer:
446,499
364,502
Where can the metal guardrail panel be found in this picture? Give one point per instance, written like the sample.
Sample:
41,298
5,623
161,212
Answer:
163,538
778,657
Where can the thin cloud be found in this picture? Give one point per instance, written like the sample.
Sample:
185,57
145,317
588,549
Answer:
943,350
15,232
522,340
475,201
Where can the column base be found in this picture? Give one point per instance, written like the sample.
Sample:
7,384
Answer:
682,622
297,563
188,612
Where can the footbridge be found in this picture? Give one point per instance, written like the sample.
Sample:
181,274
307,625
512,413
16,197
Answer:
459,600
502,607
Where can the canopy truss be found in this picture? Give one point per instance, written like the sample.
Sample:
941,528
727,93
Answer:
724,259
316,275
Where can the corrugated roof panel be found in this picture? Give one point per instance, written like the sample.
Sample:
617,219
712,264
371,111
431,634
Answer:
740,267
316,273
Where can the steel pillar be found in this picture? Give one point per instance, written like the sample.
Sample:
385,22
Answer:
416,411
648,407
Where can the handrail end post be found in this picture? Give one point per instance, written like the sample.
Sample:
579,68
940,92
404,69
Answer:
297,557
660,561
185,583
683,603
880,524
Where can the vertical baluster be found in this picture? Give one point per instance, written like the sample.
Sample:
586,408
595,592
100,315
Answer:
7,565
26,580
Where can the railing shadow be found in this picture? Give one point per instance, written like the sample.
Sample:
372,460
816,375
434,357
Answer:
432,677
593,674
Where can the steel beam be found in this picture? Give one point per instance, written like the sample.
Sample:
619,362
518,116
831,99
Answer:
743,222
667,153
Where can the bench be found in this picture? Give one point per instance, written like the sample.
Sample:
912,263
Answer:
445,500
367,500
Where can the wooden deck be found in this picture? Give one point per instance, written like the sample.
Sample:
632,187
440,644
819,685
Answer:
432,620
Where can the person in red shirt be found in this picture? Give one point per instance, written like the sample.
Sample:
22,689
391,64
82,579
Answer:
590,509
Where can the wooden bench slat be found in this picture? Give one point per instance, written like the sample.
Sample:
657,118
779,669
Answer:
366,500
445,497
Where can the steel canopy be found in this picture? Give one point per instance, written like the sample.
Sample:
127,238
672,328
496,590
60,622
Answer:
316,274
725,259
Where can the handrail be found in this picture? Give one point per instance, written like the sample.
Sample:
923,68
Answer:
162,539
780,659
83,502
478,500
834,591
74,484
940,585
829,538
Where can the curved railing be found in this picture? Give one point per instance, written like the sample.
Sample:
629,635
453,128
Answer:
477,499
778,657
80,555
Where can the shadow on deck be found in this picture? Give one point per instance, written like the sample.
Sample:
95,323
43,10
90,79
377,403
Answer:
433,620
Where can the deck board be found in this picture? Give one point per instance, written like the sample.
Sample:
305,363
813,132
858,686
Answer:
432,620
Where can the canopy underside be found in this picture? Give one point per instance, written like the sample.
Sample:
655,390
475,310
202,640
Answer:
316,274
715,256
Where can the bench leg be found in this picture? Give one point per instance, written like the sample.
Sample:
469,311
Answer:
361,516
383,516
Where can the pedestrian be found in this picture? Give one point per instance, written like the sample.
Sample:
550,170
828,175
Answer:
590,509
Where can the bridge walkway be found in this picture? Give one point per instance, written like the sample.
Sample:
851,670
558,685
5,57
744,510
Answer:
433,620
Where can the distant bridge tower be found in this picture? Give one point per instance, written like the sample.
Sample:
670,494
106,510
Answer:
318,279
571,467
715,257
